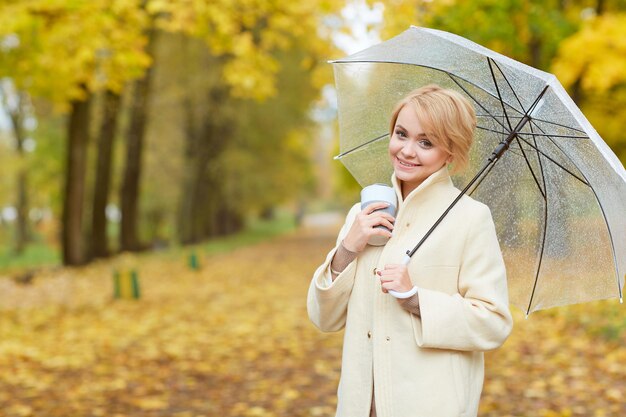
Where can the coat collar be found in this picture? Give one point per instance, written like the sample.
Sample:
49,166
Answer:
436,180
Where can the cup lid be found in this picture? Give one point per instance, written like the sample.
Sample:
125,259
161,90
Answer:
379,192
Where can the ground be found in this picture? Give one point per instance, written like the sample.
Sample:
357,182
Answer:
233,339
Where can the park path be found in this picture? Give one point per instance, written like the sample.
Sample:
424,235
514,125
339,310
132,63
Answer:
233,339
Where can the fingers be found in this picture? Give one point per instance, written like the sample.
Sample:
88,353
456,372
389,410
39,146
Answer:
375,210
393,286
385,222
388,276
381,232
394,277
366,225
375,206
378,218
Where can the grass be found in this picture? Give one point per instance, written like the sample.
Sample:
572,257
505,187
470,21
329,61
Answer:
35,255
256,231
40,255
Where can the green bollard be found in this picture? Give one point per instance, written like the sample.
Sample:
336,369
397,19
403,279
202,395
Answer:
134,280
126,285
117,290
193,261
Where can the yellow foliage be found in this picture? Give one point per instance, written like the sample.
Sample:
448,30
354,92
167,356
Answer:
596,54
65,47
233,339
252,77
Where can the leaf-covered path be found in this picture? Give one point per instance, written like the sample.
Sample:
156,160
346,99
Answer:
233,339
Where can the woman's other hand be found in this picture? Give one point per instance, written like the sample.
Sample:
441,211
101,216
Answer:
395,277
364,226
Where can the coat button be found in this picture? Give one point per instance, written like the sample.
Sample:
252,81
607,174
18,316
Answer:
408,224
388,338
374,271
369,335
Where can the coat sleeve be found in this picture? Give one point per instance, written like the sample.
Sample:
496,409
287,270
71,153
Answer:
327,304
478,317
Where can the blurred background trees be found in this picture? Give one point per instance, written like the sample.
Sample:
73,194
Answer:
130,124
188,89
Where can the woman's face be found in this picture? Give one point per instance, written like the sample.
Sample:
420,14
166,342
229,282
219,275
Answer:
413,156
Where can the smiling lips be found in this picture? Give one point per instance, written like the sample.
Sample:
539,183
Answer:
406,164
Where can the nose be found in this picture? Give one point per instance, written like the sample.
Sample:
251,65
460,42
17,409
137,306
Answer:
408,150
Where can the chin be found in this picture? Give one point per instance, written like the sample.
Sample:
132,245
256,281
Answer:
403,176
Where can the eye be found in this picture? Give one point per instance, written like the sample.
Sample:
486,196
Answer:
426,144
400,133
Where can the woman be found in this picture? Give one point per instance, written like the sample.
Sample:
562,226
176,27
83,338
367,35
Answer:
423,355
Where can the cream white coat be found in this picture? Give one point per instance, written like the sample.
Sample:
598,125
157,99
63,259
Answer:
428,366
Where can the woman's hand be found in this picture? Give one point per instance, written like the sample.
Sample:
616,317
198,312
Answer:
395,277
364,226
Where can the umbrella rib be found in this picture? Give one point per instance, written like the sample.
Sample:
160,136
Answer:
584,181
555,136
543,238
491,130
513,116
619,285
558,124
356,148
495,83
514,152
553,161
509,84
543,177
537,100
476,101
542,191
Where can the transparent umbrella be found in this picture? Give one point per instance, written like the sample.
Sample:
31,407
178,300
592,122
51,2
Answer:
555,189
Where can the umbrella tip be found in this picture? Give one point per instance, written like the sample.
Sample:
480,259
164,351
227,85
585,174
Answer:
526,317
621,300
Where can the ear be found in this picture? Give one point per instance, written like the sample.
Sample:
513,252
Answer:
450,159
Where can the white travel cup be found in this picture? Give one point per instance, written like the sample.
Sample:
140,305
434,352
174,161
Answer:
375,193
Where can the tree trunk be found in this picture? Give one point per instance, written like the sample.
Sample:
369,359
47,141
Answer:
535,51
600,7
194,216
207,127
22,237
129,234
216,133
577,92
102,186
202,200
17,120
76,162
186,227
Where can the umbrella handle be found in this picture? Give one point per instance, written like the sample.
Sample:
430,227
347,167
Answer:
409,293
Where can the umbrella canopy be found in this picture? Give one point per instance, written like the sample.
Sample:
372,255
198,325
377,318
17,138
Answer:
557,195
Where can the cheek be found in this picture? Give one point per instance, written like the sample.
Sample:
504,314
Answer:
435,158
394,146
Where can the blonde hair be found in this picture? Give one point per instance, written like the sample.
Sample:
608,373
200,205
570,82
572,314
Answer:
447,117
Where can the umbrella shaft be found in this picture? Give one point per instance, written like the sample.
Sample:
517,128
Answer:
504,145
495,156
